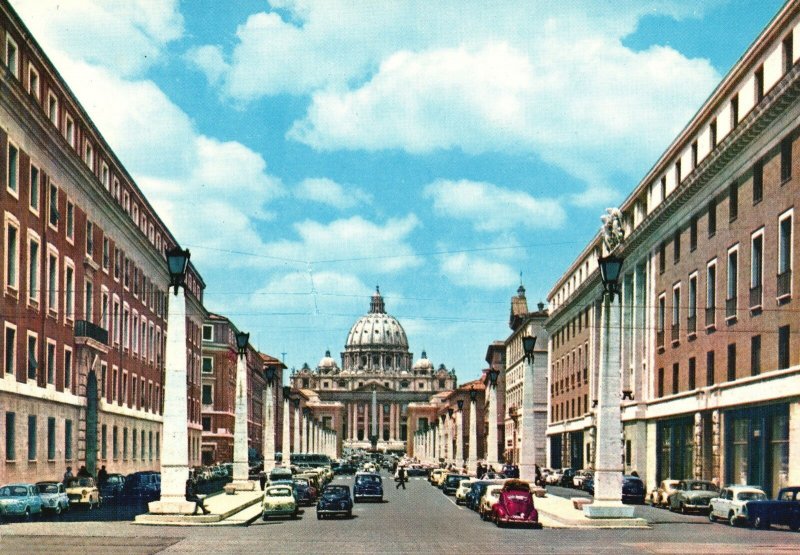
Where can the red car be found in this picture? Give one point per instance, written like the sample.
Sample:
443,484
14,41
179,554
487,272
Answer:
515,505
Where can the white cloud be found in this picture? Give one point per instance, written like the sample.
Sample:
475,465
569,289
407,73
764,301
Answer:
328,191
209,59
472,271
493,208
126,36
327,291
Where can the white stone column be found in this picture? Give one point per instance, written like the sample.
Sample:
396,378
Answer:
296,447
491,433
241,468
268,442
286,448
448,439
460,437
175,431
472,456
608,461
527,447
374,430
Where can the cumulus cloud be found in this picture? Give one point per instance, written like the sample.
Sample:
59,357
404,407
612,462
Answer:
328,191
492,208
472,271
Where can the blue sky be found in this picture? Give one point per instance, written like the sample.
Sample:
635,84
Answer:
306,151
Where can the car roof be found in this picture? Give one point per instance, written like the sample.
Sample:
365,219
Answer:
363,473
43,482
739,488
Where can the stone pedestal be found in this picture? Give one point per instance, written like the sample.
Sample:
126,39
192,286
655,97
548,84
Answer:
171,507
608,509
243,485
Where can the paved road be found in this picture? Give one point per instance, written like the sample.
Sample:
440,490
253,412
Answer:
418,520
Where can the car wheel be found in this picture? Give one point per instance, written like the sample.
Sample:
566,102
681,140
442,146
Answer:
711,517
264,517
319,516
350,513
57,510
760,523
27,513
732,519
794,525
683,509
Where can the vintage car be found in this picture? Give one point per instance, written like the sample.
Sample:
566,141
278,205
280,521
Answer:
451,482
278,501
692,495
20,500
515,505
554,477
463,488
367,486
440,478
83,491
783,510
54,496
417,470
488,499
730,505
476,490
335,500
304,492
112,486
510,471
659,497
433,477
580,477
142,487
632,490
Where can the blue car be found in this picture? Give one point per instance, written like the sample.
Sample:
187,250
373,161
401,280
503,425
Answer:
368,486
475,493
335,500
20,500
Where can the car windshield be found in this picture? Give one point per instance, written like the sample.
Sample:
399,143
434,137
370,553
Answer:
752,496
13,491
301,482
335,491
48,488
702,486
368,479
80,482
279,492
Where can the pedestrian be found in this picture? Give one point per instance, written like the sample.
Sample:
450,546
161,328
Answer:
83,472
191,495
538,480
102,475
262,478
68,474
401,477
634,473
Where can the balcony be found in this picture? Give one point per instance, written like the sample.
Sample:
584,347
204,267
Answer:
92,335
675,333
691,326
755,298
660,339
784,285
711,317
730,309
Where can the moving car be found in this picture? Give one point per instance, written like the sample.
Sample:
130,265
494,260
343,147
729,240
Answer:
692,495
54,496
731,502
632,490
463,488
433,477
515,505
659,497
335,500
783,510
20,500
451,482
83,491
278,501
368,485
345,469
489,498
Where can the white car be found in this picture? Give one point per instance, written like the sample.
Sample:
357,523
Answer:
54,496
463,488
490,497
730,505
554,477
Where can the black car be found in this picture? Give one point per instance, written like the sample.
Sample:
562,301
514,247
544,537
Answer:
304,492
345,469
588,485
632,490
451,483
112,486
417,471
368,485
566,478
335,500
510,471
142,486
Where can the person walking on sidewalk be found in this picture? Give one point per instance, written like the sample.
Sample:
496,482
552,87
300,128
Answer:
191,495
401,477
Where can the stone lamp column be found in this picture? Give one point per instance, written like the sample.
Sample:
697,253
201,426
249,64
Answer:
460,433
268,441
527,449
286,435
491,434
472,457
241,467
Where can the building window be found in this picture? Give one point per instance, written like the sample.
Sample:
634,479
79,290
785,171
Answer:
786,159
208,365
89,239
694,154
662,309
678,175
758,79
70,221
712,218
33,82
33,190
756,268
788,52
12,255
52,283
663,188
758,181
51,363
710,368
88,309
89,156
52,108
124,444
734,111
12,58
733,202
675,373
676,247
692,304
10,349
785,255
208,394
692,373
712,134
33,355
51,438
52,206
660,382
104,176
731,362
733,283
662,258
115,442
68,368
69,131
104,442
755,355
32,436
783,347
68,440
12,171
711,293
69,292
106,254
11,436
693,233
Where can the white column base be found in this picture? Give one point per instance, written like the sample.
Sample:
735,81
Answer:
243,485
608,509
172,507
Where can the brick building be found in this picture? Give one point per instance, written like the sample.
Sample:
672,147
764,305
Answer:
710,363
84,286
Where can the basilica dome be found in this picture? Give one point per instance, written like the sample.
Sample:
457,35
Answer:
377,329
327,364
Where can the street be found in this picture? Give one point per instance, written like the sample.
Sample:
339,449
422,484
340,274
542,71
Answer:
418,520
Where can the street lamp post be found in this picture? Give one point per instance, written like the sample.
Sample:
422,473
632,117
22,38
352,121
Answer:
527,449
608,460
269,421
492,458
286,448
175,440
241,468
472,459
460,433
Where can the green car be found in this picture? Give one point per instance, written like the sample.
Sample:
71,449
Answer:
279,501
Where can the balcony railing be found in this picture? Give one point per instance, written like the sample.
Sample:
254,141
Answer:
691,325
84,328
755,297
711,316
730,308
675,333
660,339
785,284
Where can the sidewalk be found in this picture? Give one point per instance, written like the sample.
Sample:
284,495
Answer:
558,512
225,510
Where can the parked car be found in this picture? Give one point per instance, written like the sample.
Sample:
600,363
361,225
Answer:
659,497
451,482
112,487
278,501
335,500
515,505
433,477
304,492
417,470
783,510
488,499
567,474
692,495
588,485
142,486
367,485
54,496
731,502
345,469
20,500
632,490
510,471
475,493
280,473
580,476
463,488
554,477
83,491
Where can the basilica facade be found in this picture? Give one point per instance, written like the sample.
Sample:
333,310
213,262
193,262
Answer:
366,399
